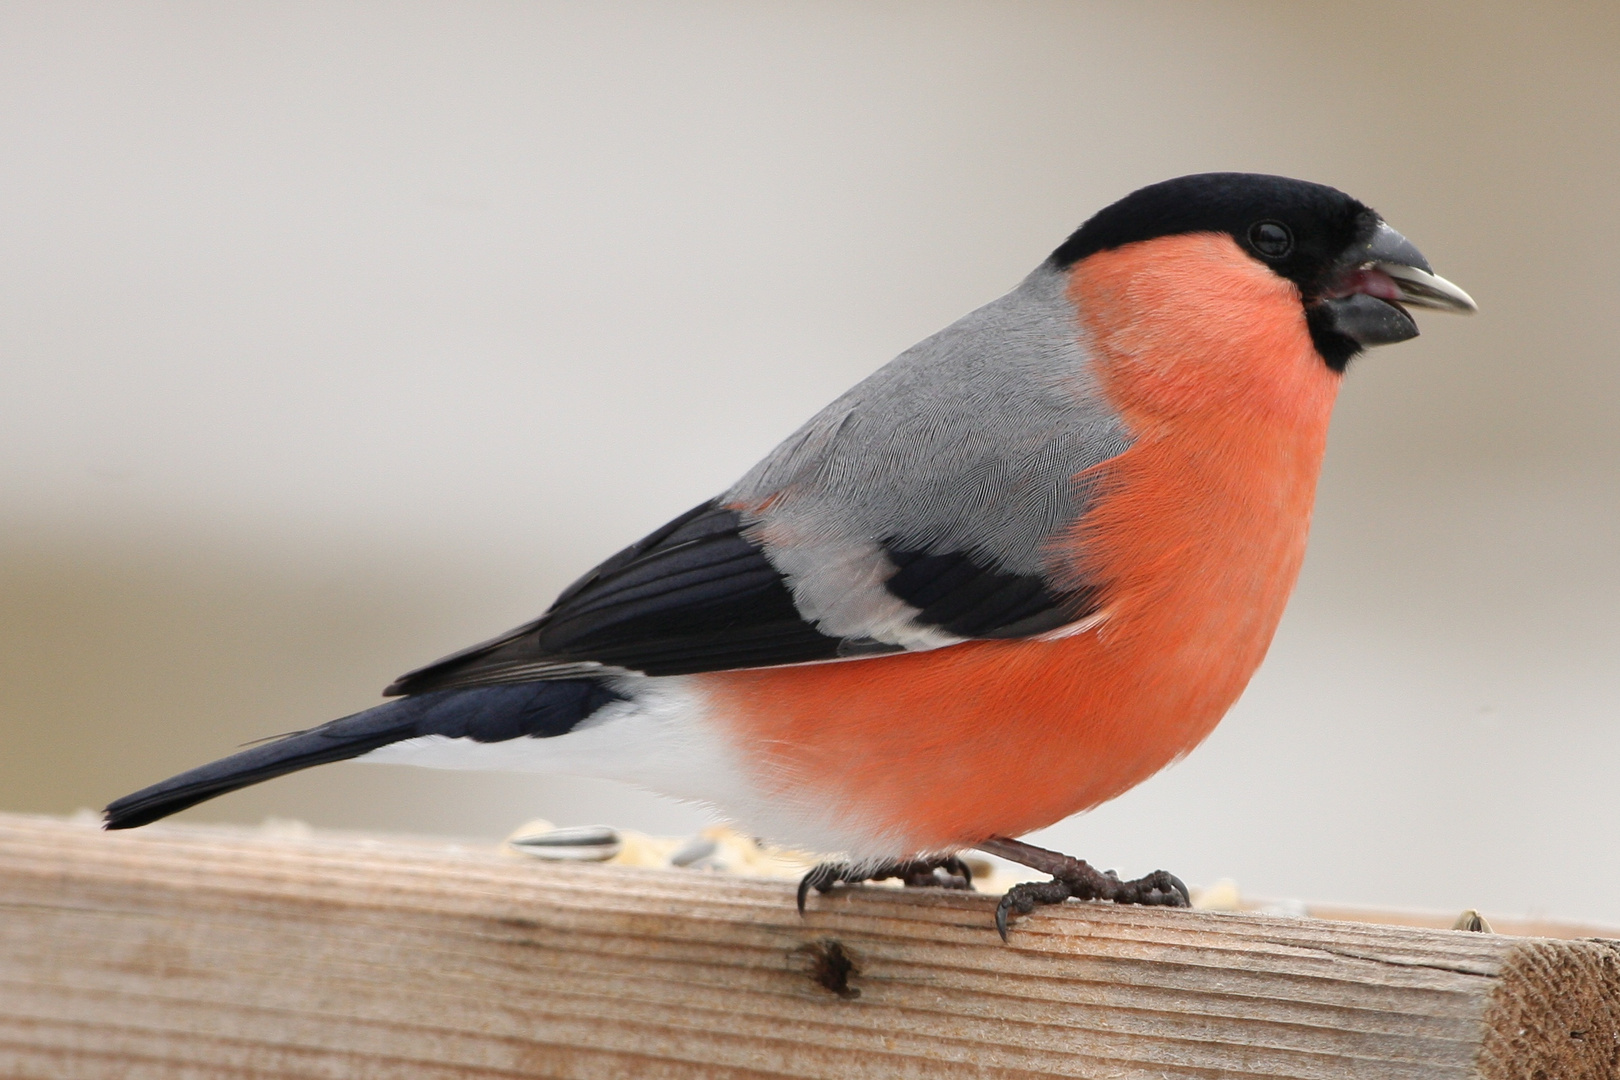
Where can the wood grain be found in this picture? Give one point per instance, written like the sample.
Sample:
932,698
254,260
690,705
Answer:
185,952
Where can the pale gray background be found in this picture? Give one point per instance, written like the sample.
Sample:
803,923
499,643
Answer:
337,336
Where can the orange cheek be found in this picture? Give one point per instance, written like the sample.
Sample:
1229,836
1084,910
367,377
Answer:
1189,327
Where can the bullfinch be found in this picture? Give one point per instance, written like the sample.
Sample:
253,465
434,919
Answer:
1045,549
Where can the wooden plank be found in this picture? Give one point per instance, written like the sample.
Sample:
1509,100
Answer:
1437,920
187,952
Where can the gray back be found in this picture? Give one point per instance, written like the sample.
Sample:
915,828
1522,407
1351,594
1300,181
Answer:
967,442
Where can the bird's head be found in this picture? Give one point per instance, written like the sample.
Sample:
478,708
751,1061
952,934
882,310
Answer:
1355,275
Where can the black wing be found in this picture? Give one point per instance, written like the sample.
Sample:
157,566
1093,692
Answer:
699,595
694,596
963,596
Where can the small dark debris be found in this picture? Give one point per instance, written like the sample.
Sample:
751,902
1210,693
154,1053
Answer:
831,967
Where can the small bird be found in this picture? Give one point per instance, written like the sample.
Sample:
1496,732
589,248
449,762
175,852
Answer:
1045,549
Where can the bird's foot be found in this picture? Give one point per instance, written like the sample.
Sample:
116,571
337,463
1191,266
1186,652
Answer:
1076,878
947,872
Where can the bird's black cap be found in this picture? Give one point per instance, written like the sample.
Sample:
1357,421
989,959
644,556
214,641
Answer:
1319,222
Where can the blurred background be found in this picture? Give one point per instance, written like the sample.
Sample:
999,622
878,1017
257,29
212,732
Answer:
338,336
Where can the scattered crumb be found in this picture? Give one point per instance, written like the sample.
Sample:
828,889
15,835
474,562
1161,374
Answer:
1221,896
285,828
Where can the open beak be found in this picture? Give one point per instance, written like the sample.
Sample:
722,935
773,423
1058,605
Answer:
1390,253
1379,280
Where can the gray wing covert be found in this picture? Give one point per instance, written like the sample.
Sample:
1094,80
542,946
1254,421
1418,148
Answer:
918,508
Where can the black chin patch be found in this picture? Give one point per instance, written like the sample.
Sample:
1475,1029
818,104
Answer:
1355,321
1335,349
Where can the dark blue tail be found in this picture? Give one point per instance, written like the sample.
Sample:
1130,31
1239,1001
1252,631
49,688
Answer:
536,710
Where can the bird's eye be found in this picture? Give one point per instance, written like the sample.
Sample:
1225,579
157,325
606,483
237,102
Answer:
1272,239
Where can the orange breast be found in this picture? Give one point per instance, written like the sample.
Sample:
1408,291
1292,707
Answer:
1197,534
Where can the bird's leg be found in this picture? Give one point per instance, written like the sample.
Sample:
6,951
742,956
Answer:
946,872
1076,878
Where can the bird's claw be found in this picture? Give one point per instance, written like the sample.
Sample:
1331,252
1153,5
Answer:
948,872
1078,879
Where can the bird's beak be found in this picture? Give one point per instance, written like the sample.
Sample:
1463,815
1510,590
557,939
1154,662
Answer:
1391,253
1366,302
